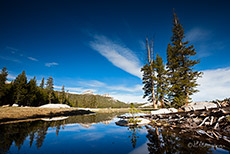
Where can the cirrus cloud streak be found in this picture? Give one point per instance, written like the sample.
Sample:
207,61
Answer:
120,56
51,64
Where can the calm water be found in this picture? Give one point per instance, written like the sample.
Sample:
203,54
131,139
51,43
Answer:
98,134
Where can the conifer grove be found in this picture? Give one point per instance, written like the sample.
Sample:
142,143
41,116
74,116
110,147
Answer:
175,83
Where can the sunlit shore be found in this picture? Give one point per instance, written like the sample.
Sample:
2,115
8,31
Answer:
20,114
12,114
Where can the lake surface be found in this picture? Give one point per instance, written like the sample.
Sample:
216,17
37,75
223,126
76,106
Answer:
98,134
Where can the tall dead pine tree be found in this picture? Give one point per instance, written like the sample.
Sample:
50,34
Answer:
149,75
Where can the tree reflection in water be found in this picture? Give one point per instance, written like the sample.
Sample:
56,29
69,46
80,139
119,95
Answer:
37,130
173,141
133,137
18,132
160,140
168,141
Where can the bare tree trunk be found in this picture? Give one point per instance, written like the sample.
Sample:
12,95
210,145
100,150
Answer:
49,98
150,56
162,102
186,100
67,94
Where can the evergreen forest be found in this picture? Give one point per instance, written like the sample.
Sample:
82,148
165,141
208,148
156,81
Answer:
27,93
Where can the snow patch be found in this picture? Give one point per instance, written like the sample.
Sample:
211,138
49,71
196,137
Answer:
57,106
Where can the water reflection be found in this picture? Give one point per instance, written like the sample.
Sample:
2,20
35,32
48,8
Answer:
176,141
97,134
36,131
134,134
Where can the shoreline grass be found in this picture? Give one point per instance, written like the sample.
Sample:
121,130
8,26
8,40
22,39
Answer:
9,114
22,114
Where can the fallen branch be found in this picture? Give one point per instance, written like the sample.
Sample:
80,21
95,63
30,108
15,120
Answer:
226,140
208,135
212,118
217,124
203,121
215,135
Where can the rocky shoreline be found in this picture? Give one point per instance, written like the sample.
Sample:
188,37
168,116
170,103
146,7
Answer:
210,121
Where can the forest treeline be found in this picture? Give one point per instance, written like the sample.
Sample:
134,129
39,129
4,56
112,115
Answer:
96,101
27,93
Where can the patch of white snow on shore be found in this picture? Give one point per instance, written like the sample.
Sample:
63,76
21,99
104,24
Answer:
57,106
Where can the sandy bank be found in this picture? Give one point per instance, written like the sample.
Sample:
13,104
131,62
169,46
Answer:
10,114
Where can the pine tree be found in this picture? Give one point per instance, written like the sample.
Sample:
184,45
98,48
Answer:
148,82
161,80
42,83
32,92
3,78
181,76
62,94
20,88
149,76
41,96
49,88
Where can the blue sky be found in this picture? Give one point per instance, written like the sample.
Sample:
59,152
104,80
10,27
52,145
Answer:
100,45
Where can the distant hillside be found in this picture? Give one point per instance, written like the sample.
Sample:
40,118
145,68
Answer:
95,101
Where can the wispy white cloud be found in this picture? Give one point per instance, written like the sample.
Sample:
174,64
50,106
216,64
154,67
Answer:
120,56
11,48
197,34
75,90
142,45
98,84
215,84
51,64
10,59
203,50
92,83
128,98
203,41
133,93
31,58
11,76
135,88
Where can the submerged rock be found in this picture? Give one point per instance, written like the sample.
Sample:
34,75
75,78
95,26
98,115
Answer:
139,122
122,122
129,115
164,111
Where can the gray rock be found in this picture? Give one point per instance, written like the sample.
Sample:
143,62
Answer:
122,122
199,106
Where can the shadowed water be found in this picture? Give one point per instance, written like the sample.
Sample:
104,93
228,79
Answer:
98,134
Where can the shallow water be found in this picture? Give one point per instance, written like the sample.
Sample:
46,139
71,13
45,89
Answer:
97,134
